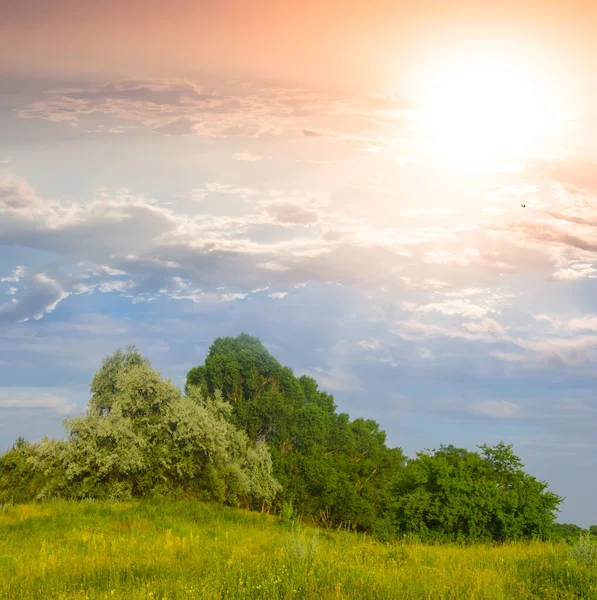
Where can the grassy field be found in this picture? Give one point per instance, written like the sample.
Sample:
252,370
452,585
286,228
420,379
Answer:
190,550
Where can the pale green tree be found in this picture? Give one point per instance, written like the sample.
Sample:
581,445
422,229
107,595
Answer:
142,437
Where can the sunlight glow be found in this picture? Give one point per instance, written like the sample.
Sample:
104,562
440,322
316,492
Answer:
482,108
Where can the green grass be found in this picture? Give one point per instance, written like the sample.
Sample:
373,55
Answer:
186,549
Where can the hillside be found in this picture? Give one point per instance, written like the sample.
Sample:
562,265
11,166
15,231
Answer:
186,549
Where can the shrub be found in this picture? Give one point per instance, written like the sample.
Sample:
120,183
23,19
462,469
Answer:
584,551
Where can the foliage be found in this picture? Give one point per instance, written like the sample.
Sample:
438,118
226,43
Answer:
457,495
565,532
188,550
331,469
18,483
288,515
142,437
584,551
247,432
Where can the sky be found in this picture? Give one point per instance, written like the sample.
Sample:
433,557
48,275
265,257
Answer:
397,198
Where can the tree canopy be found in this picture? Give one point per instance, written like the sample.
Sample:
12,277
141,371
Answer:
332,470
454,494
247,431
142,437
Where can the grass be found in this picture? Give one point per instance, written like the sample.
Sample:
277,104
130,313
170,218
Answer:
159,550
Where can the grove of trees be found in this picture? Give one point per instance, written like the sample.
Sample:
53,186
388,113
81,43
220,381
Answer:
246,432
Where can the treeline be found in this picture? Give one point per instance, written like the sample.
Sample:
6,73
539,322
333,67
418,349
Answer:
247,432
568,532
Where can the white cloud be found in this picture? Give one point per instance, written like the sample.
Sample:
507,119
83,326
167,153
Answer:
463,258
272,266
586,323
16,276
485,326
181,107
575,273
247,157
561,351
370,344
336,379
43,295
466,308
511,357
278,295
34,401
486,330
498,409
222,188
426,354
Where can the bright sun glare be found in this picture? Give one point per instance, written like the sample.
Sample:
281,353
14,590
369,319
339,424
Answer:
482,108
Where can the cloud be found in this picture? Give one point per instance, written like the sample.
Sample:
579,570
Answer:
277,295
42,295
586,323
575,272
511,357
127,244
34,401
182,126
182,107
370,344
336,379
172,107
460,303
426,354
485,326
456,307
303,211
462,258
16,276
482,330
222,188
247,157
558,352
497,409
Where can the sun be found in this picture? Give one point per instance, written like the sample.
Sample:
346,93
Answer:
483,107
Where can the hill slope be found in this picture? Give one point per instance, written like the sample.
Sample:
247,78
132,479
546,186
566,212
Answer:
186,549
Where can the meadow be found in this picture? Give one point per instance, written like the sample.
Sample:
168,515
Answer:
186,549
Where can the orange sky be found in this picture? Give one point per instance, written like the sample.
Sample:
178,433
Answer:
351,43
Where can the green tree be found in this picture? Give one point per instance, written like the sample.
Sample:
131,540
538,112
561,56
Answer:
330,469
454,494
566,532
18,482
141,436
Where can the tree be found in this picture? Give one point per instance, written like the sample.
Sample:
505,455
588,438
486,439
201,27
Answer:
566,532
104,384
454,494
18,483
142,437
330,469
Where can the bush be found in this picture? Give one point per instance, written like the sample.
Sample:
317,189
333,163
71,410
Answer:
584,551
288,516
